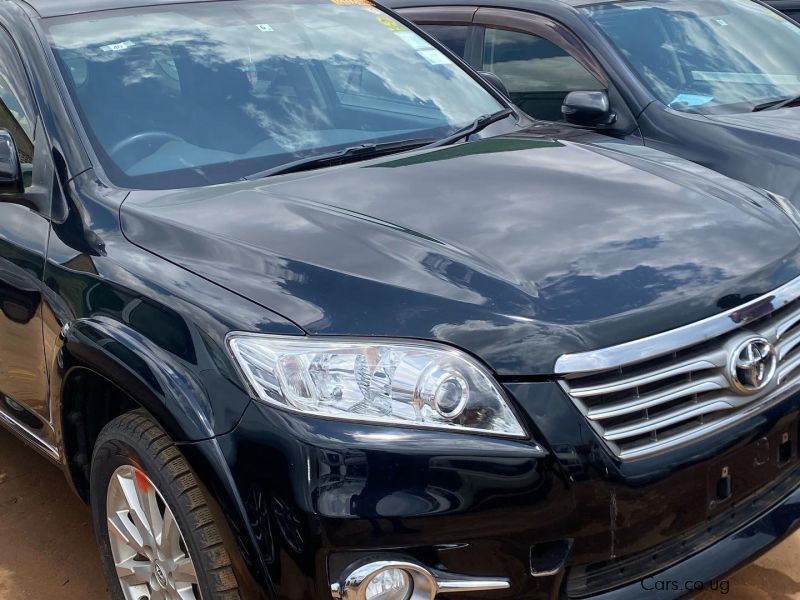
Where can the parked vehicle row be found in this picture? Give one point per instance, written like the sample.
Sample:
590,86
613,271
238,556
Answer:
305,307
711,81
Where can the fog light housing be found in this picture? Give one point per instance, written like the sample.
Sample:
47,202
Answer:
390,584
405,580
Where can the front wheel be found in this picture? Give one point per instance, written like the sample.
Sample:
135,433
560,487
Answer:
157,536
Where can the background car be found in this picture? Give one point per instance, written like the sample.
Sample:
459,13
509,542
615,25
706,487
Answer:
714,81
790,8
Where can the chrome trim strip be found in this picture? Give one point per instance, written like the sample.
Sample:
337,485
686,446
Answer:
786,326
786,369
651,377
610,411
787,345
677,339
29,437
683,439
472,585
687,414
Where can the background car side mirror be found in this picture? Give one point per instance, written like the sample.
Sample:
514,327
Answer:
494,80
588,109
10,167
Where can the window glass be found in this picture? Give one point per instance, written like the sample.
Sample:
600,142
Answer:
706,56
538,73
16,112
452,36
179,95
795,14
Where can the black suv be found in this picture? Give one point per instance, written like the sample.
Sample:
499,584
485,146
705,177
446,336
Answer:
305,309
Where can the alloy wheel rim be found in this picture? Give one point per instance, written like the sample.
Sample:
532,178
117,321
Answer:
149,552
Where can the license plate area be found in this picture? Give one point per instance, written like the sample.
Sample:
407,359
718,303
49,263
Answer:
740,474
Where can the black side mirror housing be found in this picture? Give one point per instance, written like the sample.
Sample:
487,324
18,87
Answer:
494,80
10,167
588,109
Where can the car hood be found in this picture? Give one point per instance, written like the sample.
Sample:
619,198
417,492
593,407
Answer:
783,123
517,249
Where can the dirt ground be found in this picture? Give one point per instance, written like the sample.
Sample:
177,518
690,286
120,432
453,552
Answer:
47,548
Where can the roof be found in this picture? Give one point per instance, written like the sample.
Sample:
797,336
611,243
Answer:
57,8
781,4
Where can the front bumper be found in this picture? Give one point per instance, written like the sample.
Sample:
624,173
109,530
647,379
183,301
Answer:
567,521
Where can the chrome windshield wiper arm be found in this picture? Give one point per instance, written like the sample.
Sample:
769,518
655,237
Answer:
777,104
480,123
349,154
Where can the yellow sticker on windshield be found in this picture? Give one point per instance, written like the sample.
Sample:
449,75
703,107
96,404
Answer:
390,23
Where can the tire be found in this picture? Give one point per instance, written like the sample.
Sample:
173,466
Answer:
134,460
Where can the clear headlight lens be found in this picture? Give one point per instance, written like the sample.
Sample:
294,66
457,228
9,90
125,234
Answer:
391,382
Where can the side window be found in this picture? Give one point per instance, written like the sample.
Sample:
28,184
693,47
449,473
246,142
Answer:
538,73
16,107
452,36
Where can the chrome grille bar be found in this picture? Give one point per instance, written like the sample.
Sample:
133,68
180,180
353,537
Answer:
613,411
672,418
631,382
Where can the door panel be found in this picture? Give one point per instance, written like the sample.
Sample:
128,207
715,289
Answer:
23,243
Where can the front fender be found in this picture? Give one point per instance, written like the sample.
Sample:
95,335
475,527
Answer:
178,396
174,392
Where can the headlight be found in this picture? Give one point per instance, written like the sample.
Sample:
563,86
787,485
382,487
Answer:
388,382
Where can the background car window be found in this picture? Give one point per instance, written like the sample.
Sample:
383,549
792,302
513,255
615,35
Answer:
452,36
537,73
706,56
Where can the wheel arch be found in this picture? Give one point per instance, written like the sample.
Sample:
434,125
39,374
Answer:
107,369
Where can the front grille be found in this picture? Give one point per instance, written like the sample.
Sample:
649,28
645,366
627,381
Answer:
651,401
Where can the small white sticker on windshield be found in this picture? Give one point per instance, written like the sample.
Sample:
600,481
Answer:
413,40
118,46
721,22
265,27
691,100
433,56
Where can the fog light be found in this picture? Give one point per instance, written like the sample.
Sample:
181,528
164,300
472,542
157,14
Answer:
391,584
405,580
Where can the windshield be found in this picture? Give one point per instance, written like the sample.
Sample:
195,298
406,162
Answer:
707,56
197,94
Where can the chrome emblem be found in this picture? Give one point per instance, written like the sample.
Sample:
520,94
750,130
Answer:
160,577
753,364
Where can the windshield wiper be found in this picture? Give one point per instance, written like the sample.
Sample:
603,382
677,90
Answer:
365,151
481,122
777,104
349,154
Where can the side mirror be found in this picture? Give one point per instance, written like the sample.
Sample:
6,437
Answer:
588,109
495,81
10,167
